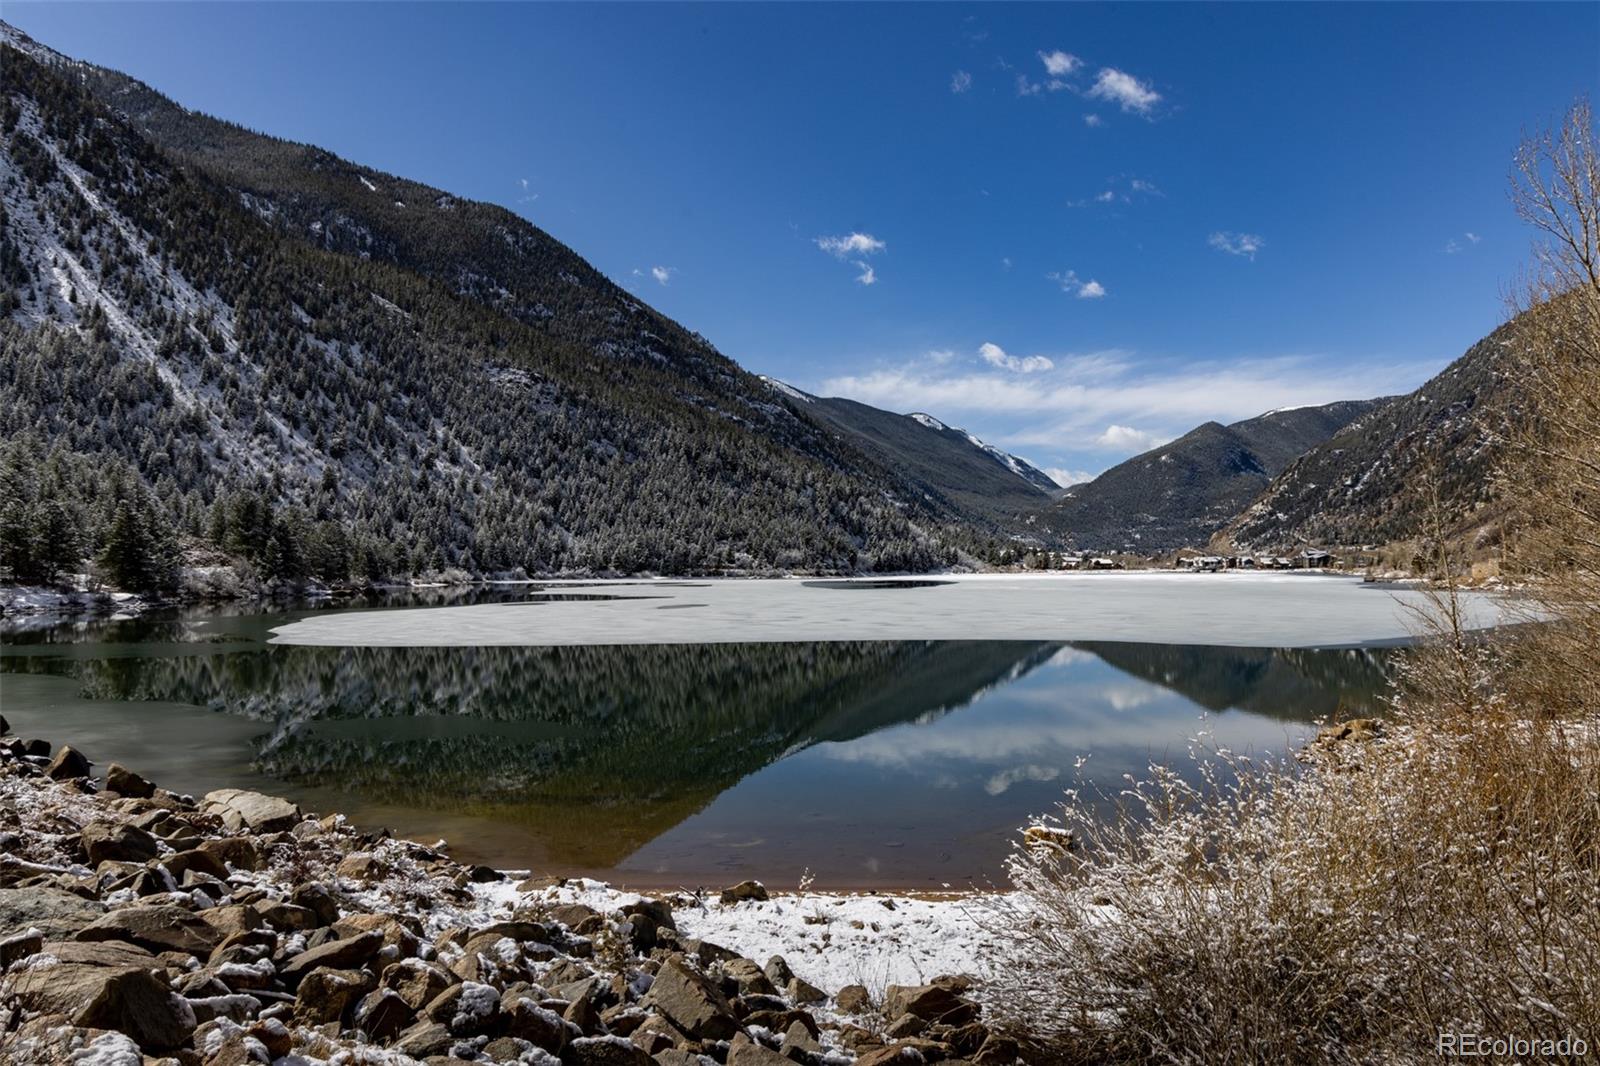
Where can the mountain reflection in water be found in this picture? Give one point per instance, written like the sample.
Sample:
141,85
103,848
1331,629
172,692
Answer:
900,763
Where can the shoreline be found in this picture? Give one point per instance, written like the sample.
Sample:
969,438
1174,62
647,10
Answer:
234,928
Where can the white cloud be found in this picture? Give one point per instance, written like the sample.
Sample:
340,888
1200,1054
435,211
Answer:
1083,290
1068,478
1121,189
1126,438
868,276
1062,413
1058,64
1124,90
1093,120
1454,245
852,244
524,183
960,81
1005,261
1028,88
662,274
1245,244
995,355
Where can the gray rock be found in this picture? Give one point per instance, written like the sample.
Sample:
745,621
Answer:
159,928
692,1002
934,1003
382,1014
606,1051
746,1052
526,1020
240,809
69,763
117,842
744,890
326,993
53,911
424,1039
349,954
130,1000
124,782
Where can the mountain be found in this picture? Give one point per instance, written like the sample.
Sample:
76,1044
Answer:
216,340
1181,493
1365,484
947,462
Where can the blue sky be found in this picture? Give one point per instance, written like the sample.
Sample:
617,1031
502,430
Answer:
1086,228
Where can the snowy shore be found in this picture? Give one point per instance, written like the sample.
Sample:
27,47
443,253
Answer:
141,925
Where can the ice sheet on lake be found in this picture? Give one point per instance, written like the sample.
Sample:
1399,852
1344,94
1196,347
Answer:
1235,610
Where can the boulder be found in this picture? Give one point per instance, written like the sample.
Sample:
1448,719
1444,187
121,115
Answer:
749,976
362,866
326,993
382,1014
241,853
100,953
778,972
424,1039
240,809
286,916
158,928
799,1042
935,1002
692,1001
746,1052
124,782
348,954
539,1026
607,1051
417,982
752,890
129,999
893,1055
854,999
68,764
117,842
318,900
802,991
54,912
20,946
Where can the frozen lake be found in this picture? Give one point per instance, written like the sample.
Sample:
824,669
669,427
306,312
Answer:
1226,610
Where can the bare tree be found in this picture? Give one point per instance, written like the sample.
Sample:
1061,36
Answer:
1552,472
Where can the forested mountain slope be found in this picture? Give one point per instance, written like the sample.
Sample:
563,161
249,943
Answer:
219,339
1370,483
948,462
1183,492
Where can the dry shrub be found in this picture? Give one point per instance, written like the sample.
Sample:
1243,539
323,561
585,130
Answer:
1444,876
1441,876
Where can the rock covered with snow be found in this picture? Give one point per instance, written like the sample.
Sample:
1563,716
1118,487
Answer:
239,929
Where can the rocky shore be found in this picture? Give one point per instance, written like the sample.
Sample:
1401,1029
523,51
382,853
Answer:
140,926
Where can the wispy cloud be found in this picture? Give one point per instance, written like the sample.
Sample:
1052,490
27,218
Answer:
1028,88
960,82
854,247
1460,244
995,355
1124,90
662,274
1071,283
1121,189
1089,407
851,244
1093,121
1245,244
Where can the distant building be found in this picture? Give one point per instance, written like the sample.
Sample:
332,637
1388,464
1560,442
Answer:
1314,559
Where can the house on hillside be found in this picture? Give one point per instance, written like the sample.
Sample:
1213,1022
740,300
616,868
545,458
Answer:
1313,559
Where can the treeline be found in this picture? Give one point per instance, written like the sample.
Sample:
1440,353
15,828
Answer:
327,416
